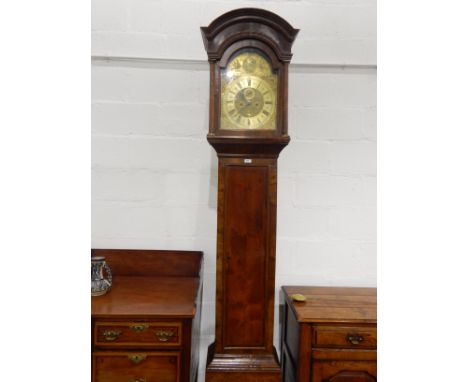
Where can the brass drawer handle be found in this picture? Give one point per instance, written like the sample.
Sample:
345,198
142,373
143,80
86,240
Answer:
164,335
139,327
137,380
111,335
137,358
355,339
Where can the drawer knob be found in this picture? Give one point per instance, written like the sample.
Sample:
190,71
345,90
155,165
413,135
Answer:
137,380
139,327
355,339
137,358
164,335
111,335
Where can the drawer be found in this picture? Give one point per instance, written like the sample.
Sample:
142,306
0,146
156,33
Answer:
349,371
360,337
120,366
137,334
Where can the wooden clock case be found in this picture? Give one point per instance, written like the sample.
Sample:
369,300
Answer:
247,183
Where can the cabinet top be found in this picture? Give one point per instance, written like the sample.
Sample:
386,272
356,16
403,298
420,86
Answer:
150,284
333,304
147,297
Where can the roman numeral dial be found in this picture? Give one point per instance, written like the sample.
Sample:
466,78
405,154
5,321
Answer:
248,94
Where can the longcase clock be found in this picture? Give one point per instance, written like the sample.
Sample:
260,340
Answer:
249,51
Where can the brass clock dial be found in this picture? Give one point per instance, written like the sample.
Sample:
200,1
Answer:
248,93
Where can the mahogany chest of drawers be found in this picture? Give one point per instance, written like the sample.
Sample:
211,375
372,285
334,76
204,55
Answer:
330,337
146,328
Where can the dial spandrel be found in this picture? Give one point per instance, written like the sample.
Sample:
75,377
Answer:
248,93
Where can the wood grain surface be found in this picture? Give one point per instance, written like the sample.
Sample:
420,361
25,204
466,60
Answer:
139,262
247,183
334,304
331,336
147,297
154,305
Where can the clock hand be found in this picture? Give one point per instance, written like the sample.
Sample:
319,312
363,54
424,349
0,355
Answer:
244,98
246,106
245,101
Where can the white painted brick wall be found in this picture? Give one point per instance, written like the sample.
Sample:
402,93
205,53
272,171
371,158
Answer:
149,119
154,176
336,31
313,190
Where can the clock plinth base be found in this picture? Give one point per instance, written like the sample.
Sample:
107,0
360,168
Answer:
242,367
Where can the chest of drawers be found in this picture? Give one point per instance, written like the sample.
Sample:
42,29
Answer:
330,337
146,329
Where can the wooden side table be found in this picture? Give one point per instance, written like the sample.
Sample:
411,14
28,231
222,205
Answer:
147,327
330,337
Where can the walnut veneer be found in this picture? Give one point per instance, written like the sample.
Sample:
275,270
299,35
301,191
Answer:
331,337
247,180
147,327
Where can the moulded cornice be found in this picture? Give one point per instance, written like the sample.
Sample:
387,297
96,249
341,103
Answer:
249,23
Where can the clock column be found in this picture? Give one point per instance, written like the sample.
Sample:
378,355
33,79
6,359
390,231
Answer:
247,182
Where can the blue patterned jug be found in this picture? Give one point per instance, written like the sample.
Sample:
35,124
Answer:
99,284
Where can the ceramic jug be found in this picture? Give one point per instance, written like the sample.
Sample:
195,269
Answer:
99,284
